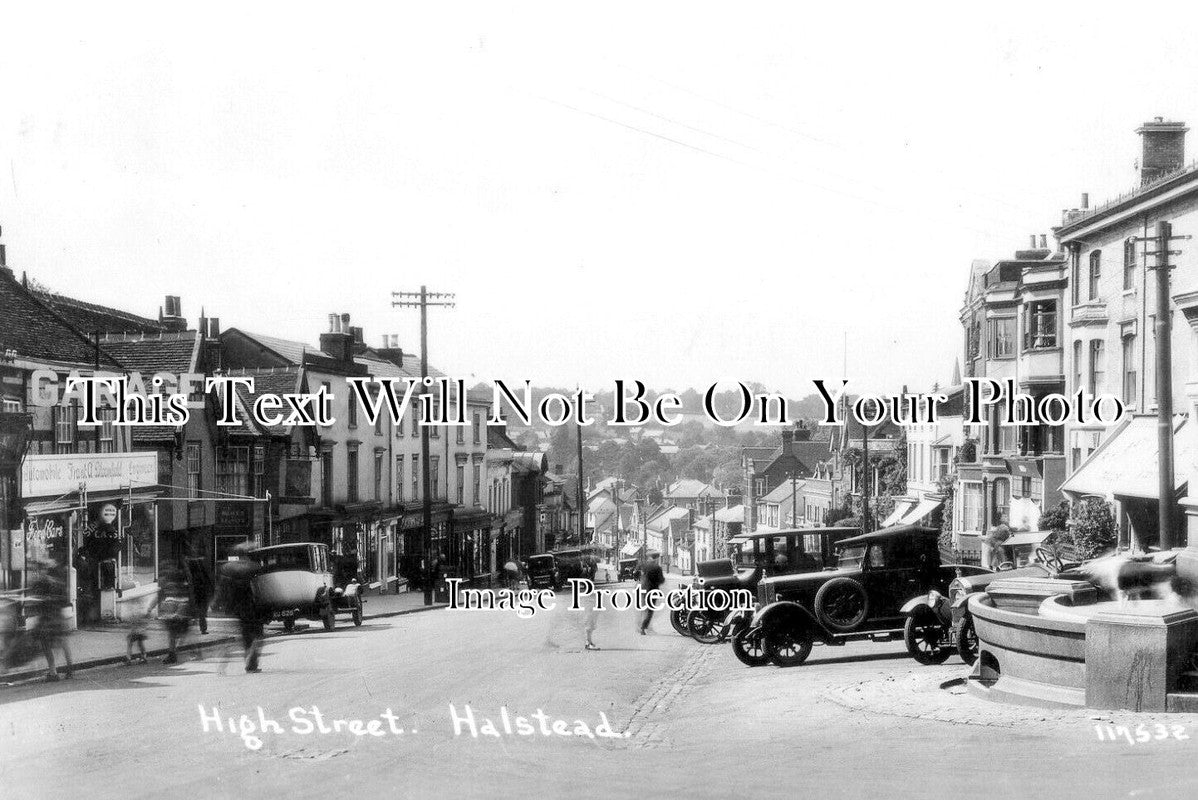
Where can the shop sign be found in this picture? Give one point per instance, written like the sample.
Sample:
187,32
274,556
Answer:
233,515
54,476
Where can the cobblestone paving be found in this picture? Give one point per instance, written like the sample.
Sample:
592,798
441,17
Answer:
644,726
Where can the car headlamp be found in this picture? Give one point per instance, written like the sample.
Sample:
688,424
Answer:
933,597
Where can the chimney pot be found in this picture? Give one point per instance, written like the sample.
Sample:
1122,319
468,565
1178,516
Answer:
1033,241
1085,199
1043,241
345,323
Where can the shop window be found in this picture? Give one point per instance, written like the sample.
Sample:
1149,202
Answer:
351,474
1095,273
194,482
139,564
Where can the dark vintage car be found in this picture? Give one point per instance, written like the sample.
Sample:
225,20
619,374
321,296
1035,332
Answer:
861,598
574,563
541,572
755,556
628,569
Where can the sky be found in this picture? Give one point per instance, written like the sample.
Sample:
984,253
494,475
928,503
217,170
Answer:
676,192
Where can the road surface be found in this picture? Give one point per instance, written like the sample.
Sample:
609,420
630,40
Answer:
691,721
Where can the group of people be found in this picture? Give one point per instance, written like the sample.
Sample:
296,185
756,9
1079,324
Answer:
185,595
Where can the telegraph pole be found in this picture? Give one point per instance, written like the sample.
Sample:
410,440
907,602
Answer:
422,300
1164,378
582,499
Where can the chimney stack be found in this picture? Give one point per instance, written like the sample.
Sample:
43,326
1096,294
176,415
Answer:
338,342
391,350
1043,241
1163,144
172,317
1085,200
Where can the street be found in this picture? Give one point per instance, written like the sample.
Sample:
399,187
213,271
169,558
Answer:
697,722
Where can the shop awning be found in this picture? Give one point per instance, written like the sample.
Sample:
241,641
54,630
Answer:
631,548
1125,464
920,511
900,510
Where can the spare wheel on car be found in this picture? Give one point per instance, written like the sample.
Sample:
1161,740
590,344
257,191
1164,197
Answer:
841,604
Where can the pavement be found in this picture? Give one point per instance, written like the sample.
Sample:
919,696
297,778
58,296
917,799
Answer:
102,645
689,720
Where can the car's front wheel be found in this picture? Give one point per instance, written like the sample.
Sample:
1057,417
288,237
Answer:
967,642
788,647
749,647
926,640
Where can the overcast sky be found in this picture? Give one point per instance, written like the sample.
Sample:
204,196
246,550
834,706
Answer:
674,192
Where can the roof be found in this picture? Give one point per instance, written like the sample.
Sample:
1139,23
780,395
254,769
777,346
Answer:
37,332
286,349
277,380
666,517
1165,188
891,533
783,492
91,317
149,353
734,514
691,487
154,352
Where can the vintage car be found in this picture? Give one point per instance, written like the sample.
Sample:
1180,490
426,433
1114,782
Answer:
628,569
861,598
295,580
573,563
757,555
541,572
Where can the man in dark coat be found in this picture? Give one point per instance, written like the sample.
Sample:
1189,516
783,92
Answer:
651,578
237,590
201,585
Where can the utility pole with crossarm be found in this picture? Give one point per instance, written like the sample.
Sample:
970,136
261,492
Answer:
422,300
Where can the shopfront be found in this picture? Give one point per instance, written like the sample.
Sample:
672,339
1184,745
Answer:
95,517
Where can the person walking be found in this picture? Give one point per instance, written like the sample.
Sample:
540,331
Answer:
48,606
202,585
175,610
651,578
237,588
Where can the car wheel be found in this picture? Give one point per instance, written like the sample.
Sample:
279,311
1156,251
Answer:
703,627
967,642
678,621
288,624
357,611
788,647
748,646
926,640
841,604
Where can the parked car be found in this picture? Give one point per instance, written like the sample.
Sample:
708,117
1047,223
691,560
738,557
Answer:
573,563
296,580
628,569
541,572
861,598
786,552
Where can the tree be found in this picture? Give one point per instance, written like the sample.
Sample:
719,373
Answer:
1093,528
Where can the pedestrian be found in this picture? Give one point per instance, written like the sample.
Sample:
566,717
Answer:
202,585
49,605
175,611
590,620
651,578
511,576
995,539
137,636
236,587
